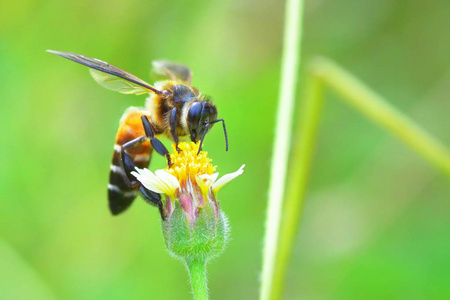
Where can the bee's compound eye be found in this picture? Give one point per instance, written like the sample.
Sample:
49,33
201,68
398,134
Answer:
195,112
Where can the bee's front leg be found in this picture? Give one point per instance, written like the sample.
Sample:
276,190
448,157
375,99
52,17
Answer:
173,126
156,144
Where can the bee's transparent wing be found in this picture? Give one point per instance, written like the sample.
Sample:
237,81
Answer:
171,70
115,79
117,84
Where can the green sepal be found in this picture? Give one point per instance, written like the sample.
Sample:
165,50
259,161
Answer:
201,239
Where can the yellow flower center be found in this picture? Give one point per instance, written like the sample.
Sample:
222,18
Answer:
187,164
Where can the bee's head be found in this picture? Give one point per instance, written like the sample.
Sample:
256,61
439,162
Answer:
200,118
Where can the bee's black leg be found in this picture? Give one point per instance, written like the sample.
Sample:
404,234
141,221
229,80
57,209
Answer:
153,199
173,126
156,144
149,196
128,164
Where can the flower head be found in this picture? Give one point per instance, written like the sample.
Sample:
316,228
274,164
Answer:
193,223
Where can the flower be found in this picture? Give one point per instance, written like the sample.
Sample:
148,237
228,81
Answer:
208,182
194,226
161,182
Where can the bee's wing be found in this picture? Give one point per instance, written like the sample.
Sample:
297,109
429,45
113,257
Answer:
117,84
115,79
173,71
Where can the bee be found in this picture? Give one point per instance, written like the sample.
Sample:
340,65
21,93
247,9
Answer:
173,108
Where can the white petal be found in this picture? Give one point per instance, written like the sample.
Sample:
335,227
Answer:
148,179
225,179
170,180
162,182
212,177
204,181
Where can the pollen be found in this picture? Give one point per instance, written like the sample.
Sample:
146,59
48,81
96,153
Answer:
186,164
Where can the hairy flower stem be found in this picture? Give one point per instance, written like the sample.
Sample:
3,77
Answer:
360,97
197,274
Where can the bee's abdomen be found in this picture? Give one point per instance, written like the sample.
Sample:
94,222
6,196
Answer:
121,193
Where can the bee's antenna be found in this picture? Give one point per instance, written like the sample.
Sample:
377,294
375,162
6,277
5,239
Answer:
224,131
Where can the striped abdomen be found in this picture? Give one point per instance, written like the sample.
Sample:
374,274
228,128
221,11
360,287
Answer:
120,192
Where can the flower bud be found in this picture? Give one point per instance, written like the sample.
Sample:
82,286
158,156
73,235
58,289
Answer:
194,226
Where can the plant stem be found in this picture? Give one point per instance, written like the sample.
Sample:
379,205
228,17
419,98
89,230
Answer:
197,274
360,97
302,154
290,63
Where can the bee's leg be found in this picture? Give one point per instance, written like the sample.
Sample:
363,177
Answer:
150,196
127,162
156,144
173,126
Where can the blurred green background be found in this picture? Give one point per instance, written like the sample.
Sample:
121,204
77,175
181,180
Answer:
377,216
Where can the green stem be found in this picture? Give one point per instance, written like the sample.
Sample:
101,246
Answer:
197,274
289,76
303,150
360,97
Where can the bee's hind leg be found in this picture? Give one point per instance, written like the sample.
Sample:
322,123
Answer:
127,162
152,198
128,165
156,144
